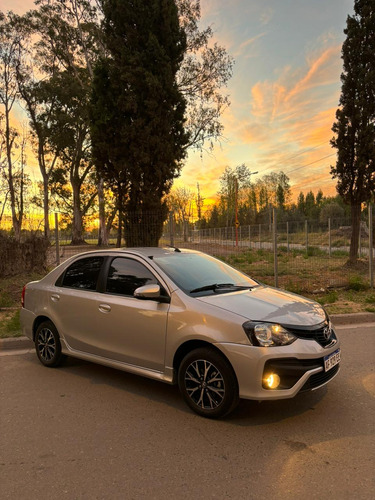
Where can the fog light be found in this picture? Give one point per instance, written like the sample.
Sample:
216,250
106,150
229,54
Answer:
272,381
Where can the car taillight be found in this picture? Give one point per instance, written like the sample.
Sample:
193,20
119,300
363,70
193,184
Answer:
23,296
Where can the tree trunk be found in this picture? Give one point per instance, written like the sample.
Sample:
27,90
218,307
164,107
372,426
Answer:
103,233
144,228
46,206
354,242
119,230
77,229
120,216
9,143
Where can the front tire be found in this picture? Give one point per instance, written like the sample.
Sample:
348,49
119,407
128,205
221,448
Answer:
207,383
47,345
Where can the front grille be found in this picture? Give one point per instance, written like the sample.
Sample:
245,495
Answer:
323,334
319,379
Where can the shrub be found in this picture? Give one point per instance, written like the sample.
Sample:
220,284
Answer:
329,298
357,283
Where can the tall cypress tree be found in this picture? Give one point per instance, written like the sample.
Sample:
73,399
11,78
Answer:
355,125
138,112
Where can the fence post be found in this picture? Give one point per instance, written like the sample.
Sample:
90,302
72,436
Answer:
370,248
287,236
329,237
57,241
260,230
249,236
306,236
275,248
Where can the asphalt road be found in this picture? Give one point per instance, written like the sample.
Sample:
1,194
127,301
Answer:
88,432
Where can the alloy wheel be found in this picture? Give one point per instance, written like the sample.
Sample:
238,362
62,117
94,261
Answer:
204,384
46,344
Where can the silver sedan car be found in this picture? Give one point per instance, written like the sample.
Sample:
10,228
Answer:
181,316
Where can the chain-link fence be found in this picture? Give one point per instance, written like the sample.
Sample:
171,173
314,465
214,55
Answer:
300,256
303,256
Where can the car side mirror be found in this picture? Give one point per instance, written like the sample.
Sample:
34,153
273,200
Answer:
150,292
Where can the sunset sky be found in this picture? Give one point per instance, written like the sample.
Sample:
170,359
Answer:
284,91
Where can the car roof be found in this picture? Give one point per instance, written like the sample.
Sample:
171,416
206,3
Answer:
157,251
146,252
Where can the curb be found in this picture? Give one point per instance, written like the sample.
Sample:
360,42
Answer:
16,343
337,319
353,318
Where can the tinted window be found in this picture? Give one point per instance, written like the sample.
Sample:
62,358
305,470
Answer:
83,274
126,275
190,271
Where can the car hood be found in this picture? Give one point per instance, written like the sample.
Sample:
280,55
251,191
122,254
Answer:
269,304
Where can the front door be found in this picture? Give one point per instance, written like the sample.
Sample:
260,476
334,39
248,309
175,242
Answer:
129,329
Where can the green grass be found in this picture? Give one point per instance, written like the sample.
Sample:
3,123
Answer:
10,302
370,299
6,300
10,324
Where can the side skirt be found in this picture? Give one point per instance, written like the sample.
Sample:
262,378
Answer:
167,376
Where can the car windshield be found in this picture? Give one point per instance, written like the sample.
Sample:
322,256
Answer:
201,274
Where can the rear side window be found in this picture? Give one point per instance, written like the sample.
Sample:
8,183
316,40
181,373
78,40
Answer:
83,274
126,275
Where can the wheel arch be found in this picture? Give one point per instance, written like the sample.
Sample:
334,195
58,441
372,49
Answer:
191,345
38,321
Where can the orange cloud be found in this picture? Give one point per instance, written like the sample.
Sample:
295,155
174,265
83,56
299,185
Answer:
321,72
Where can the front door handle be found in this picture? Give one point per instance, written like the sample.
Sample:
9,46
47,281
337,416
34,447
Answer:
104,308
55,297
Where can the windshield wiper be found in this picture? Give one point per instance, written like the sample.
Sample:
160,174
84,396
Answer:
216,286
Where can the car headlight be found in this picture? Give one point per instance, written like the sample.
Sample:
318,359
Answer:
268,334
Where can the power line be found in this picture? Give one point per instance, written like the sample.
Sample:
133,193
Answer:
298,154
312,163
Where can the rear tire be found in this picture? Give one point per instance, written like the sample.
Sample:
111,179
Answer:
208,383
47,345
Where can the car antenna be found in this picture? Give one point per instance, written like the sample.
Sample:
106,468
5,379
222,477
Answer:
175,248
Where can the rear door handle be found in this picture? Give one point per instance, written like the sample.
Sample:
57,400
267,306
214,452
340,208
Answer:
104,308
55,297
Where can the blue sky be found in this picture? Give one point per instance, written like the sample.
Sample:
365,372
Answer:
284,91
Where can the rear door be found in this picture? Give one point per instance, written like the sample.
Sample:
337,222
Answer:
73,302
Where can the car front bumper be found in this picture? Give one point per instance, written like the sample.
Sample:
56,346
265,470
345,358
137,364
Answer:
300,367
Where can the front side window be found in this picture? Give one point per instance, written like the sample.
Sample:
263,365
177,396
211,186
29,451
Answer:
126,275
83,274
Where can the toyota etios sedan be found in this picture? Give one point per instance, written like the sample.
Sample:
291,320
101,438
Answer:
181,316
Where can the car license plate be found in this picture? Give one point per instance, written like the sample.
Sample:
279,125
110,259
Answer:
332,360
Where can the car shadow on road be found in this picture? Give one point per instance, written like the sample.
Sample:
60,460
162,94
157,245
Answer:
248,413
129,382
254,413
